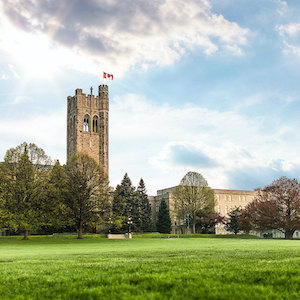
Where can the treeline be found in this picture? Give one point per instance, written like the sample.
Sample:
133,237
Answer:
275,207
37,196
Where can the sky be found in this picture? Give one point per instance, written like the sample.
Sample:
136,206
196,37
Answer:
205,86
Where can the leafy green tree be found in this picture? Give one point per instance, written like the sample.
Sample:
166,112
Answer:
22,197
87,191
24,187
163,224
144,207
54,200
233,222
193,197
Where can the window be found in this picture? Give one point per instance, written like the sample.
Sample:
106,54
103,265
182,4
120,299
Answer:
73,125
95,124
86,122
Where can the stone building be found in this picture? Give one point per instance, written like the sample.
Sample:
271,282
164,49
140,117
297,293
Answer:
87,125
226,200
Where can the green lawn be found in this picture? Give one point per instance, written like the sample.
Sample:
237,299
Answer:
62,267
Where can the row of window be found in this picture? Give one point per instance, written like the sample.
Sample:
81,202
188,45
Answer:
227,209
229,198
86,124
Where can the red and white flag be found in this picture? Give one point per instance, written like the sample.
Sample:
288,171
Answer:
108,76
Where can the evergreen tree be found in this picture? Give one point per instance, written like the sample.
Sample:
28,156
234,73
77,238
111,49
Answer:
144,208
233,223
163,224
125,205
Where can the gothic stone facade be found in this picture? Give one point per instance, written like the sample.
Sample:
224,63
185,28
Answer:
226,200
87,125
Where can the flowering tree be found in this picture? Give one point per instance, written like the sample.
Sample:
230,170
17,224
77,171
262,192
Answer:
277,206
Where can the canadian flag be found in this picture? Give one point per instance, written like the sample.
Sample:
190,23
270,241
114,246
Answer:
108,76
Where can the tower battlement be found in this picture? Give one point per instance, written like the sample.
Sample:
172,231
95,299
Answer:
87,124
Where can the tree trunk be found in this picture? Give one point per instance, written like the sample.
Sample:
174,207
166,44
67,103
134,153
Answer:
80,232
26,233
289,234
194,227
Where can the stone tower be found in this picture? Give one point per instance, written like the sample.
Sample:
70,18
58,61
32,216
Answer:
87,125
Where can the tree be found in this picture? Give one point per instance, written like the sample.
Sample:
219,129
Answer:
54,200
86,191
36,155
22,195
233,222
125,205
206,221
193,197
163,224
193,179
277,206
144,207
23,187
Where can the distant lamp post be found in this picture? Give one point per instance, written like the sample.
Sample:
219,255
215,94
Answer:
188,224
175,224
129,222
110,225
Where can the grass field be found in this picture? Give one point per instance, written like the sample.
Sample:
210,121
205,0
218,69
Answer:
62,267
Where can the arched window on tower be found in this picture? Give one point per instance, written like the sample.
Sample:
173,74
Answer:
74,125
86,122
71,125
95,124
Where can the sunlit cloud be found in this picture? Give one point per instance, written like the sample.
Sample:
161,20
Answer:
4,77
112,35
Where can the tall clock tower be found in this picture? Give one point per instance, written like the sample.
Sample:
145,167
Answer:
87,125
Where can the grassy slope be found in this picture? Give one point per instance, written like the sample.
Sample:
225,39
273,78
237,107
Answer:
94,268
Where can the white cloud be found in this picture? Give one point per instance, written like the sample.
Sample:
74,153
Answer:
4,77
118,35
166,139
47,131
283,6
290,34
291,29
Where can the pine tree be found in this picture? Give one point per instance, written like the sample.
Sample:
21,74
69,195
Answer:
233,224
144,207
163,224
125,205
